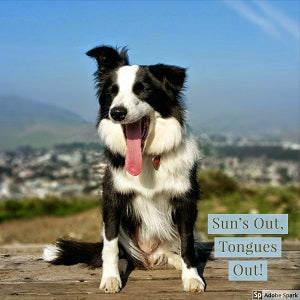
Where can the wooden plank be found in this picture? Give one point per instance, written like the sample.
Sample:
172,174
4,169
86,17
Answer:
23,275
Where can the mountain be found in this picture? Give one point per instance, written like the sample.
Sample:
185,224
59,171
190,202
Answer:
26,122
280,122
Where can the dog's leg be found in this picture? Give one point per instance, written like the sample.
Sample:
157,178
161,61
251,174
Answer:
123,265
111,281
113,205
174,260
166,258
185,217
163,256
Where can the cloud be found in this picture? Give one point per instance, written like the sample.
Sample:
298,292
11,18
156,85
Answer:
265,16
285,22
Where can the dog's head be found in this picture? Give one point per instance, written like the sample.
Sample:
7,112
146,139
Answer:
138,104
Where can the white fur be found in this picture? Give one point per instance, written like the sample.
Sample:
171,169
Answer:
111,281
136,109
131,246
50,253
172,177
156,217
174,260
165,134
191,280
112,136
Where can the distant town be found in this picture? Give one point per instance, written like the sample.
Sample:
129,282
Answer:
78,168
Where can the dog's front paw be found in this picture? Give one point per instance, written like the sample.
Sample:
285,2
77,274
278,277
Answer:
194,285
111,285
175,261
156,260
122,264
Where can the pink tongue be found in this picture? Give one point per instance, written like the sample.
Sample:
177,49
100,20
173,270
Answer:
133,160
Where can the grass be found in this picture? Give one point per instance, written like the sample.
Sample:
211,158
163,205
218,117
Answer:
236,199
220,194
33,207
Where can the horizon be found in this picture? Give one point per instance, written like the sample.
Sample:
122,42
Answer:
242,56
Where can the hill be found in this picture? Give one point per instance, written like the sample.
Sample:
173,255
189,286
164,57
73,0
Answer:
26,122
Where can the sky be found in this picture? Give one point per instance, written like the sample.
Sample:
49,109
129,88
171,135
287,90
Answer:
239,55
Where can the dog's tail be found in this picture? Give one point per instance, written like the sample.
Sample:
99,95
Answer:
68,252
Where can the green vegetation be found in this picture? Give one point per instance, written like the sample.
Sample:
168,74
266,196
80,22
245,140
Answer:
33,207
216,147
215,183
272,152
221,194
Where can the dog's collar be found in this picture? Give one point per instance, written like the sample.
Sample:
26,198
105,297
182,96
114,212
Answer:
156,162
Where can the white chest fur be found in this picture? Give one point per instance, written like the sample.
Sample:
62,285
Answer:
172,178
156,218
154,188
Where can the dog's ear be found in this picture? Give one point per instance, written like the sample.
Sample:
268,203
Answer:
171,76
108,58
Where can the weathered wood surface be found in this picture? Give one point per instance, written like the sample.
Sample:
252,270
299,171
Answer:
23,275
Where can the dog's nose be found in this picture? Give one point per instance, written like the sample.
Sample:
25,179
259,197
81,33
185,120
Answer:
118,113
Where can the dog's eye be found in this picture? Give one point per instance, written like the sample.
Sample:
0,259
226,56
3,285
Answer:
138,87
114,89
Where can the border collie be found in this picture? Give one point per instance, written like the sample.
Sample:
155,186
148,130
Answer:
149,188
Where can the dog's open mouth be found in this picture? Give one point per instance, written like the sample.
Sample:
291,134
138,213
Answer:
135,134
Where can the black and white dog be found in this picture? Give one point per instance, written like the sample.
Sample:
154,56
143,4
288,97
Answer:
150,188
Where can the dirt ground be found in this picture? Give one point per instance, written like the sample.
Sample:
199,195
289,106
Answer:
81,226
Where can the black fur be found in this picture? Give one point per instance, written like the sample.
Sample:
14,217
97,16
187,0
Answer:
159,85
108,58
130,222
185,214
172,76
162,91
72,252
114,204
115,159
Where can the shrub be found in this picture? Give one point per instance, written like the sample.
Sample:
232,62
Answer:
32,207
215,183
